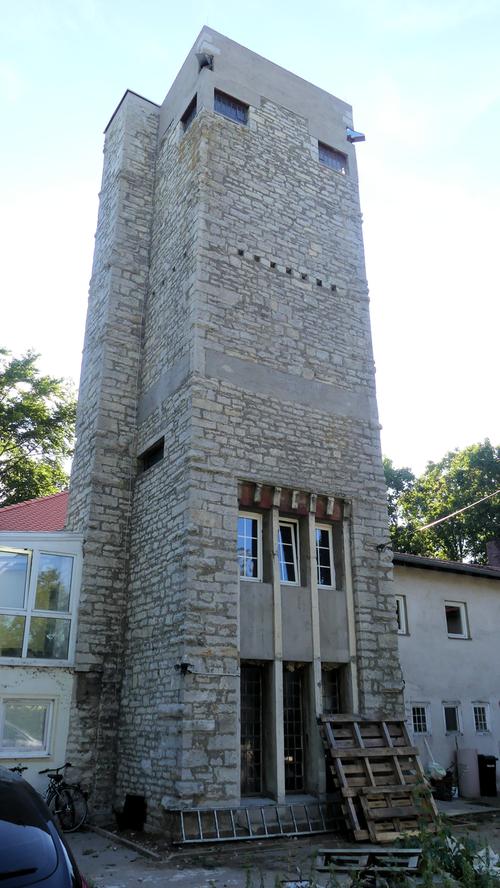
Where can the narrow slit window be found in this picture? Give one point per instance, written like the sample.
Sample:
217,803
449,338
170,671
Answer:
332,158
401,615
189,114
152,455
230,107
288,552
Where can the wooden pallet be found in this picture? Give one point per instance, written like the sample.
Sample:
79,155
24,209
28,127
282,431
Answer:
380,776
376,860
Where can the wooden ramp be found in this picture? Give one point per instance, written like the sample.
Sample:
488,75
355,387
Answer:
380,777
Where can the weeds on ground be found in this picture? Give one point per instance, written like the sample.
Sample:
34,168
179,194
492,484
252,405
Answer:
449,861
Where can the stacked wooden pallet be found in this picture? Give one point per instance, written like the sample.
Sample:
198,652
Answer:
380,777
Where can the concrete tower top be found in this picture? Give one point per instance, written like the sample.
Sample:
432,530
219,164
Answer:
216,62
238,71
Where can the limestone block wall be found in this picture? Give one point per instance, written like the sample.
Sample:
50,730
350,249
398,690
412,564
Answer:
105,457
228,317
284,338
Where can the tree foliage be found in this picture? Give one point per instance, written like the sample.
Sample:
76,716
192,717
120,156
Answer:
37,419
459,479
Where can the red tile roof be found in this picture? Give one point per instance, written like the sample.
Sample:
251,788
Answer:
45,514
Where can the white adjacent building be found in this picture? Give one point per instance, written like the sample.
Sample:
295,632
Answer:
449,620
40,572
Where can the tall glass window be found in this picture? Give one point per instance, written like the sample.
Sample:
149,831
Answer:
324,556
288,551
250,546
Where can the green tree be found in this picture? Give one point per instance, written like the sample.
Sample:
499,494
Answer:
37,420
459,479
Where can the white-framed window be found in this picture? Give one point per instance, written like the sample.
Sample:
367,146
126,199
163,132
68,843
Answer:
401,615
37,605
324,556
456,619
25,727
420,718
481,717
288,551
452,718
250,546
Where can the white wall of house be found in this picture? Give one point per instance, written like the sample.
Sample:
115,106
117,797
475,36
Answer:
441,669
36,686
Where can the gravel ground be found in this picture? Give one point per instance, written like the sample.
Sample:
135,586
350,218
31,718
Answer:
108,864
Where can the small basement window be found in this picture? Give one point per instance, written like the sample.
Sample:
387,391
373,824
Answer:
152,455
332,158
456,619
230,107
189,114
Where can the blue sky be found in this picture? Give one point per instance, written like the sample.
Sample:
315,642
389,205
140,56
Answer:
424,80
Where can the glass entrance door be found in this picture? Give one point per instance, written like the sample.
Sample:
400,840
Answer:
251,730
293,715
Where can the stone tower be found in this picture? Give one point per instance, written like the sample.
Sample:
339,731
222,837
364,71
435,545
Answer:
228,476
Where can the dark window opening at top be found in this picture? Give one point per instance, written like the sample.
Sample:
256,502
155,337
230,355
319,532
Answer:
230,107
332,158
189,114
153,455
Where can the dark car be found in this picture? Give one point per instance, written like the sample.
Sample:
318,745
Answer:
32,852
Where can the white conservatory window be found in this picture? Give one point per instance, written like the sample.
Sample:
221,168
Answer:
37,605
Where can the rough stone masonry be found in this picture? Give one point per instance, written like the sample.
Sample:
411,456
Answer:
227,347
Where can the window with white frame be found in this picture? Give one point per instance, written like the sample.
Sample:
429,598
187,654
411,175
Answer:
452,718
401,615
481,717
420,718
25,726
288,551
456,619
250,546
37,604
324,556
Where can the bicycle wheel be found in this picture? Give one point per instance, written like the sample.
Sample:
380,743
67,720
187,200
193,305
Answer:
75,813
61,807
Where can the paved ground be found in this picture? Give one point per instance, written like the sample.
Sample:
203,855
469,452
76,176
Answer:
108,864
249,865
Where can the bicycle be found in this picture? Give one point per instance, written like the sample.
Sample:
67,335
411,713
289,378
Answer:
67,802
